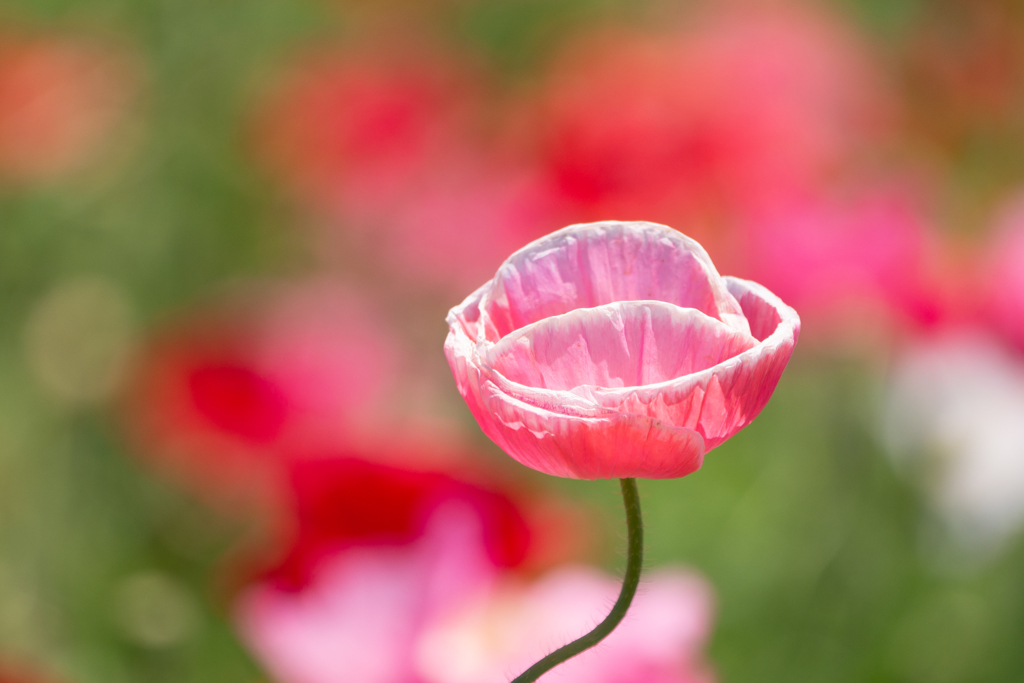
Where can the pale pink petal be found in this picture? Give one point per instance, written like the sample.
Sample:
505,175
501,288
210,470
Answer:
583,266
603,444
622,344
719,401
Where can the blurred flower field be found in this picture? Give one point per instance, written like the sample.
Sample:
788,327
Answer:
231,448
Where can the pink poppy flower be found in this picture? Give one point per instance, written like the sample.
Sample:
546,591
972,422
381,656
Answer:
59,98
616,350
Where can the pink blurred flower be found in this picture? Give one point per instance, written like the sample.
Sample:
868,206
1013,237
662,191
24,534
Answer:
375,553
514,625
385,146
750,100
360,617
1003,274
456,224
59,98
874,257
399,576
616,350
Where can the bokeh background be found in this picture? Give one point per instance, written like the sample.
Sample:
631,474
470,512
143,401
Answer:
229,235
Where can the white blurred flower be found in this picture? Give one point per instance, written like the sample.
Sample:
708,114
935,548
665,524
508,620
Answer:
954,410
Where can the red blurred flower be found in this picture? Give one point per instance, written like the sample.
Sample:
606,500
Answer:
750,100
353,500
21,673
358,126
374,547
221,400
59,98
360,616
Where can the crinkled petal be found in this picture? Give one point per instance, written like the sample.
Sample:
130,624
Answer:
721,400
589,265
603,445
622,344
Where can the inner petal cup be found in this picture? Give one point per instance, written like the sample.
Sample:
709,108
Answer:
622,344
597,264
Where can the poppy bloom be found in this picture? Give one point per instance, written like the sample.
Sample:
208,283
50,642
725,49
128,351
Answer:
356,128
617,350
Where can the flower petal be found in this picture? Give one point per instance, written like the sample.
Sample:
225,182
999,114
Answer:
721,400
583,266
622,344
604,445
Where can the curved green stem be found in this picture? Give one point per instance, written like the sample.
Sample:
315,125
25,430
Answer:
634,561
